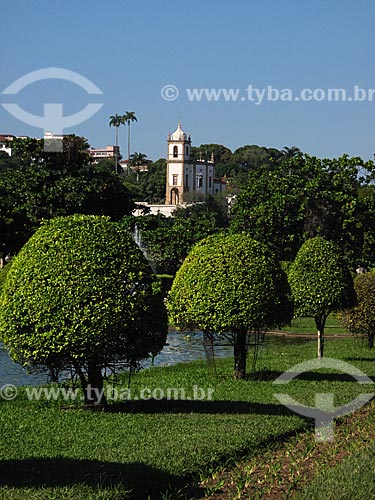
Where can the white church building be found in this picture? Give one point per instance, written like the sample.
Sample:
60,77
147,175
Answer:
185,175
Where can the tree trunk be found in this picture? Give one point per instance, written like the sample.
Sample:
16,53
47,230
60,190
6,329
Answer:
320,343
128,147
320,322
116,160
370,340
94,392
240,353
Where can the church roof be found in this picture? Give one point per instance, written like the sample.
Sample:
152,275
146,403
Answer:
179,134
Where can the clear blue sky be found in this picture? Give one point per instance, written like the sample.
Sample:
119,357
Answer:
132,48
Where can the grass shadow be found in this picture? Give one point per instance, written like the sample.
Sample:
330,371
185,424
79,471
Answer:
153,406
141,479
359,359
266,375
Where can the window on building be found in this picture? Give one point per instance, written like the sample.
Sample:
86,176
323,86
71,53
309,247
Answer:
175,179
187,151
175,151
199,180
187,180
210,182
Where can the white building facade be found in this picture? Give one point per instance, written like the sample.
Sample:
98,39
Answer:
98,154
4,143
185,175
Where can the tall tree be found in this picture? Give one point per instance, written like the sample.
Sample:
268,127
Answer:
42,185
129,117
80,296
230,283
320,283
153,181
301,198
360,320
138,160
115,121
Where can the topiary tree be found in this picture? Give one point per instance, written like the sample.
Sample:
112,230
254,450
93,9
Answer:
230,284
360,320
320,283
81,296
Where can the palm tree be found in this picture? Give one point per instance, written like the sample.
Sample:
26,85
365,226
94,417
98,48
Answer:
138,160
292,152
115,121
128,117
289,154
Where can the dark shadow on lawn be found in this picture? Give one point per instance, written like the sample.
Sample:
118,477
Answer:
153,406
264,375
359,359
142,479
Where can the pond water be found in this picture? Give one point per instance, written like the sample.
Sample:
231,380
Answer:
180,348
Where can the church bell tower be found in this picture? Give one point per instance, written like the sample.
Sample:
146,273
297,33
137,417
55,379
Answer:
178,166
185,174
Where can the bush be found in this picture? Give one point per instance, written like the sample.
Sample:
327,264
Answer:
230,284
360,320
320,283
3,275
81,296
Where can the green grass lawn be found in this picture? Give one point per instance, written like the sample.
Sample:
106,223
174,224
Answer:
352,479
307,325
47,452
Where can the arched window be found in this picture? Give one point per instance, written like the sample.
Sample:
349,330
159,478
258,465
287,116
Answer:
175,151
199,181
187,151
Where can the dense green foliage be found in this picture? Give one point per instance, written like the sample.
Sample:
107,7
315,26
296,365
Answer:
144,445
137,161
168,240
241,162
230,284
148,185
305,197
236,167
360,320
320,283
80,295
283,197
41,185
3,274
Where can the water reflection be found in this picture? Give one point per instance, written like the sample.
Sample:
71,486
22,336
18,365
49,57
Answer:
180,348
184,347
12,373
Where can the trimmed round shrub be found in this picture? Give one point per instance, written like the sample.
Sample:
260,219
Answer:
80,295
230,284
320,283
